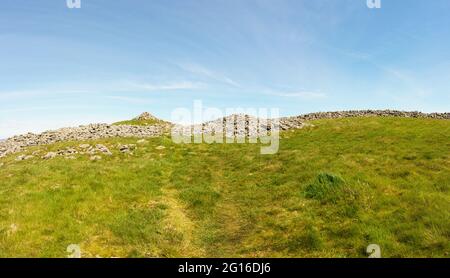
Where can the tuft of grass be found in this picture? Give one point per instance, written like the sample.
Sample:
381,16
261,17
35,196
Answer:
325,186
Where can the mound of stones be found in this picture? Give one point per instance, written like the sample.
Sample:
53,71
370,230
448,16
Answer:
146,116
369,113
233,125
246,125
242,125
81,133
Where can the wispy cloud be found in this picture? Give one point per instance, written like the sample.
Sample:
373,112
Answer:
99,88
416,89
185,85
300,94
133,100
205,72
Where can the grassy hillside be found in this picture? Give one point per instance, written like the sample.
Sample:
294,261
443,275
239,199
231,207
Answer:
331,190
141,122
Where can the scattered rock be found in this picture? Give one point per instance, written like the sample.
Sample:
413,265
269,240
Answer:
91,150
95,157
82,133
71,151
126,148
49,155
67,151
250,126
20,157
103,149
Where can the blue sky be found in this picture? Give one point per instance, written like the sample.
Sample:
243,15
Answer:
111,60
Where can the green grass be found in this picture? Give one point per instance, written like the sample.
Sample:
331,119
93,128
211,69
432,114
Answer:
330,191
140,122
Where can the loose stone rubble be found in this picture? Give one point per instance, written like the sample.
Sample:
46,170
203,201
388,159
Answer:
95,157
24,157
126,148
103,149
49,155
146,116
81,133
245,125
233,125
368,113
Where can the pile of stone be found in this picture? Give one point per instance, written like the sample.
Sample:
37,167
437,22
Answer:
24,157
242,125
81,133
371,113
146,116
236,125
246,125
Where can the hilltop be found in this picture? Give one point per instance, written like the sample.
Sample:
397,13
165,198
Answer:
144,119
335,186
146,125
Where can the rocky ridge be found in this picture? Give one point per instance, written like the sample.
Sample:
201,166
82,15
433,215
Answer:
246,125
81,133
241,125
369,113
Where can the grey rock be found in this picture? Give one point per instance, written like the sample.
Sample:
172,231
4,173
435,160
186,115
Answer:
95,157
103,149
126,148
24,157
233,125
82,133
20,157
49,155
146,116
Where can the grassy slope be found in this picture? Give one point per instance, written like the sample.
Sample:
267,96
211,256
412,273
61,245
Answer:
390,187
140,122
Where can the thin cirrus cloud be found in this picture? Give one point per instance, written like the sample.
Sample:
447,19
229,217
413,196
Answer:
208,73
185,85
133,100
301,94
106,87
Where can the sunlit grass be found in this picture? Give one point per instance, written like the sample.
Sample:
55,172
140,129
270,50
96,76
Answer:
330,191
140,122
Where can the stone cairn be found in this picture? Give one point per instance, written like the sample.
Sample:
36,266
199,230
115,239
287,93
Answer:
241,125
